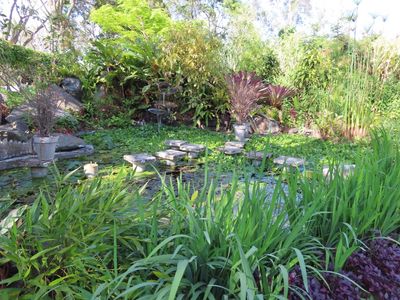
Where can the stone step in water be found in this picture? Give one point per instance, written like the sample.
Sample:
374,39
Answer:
175,144
258,155
172,155
193,150
290,161
235,144
344,170
140,162
230,150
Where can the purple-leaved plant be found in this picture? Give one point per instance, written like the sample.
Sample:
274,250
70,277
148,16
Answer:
376,270
244,89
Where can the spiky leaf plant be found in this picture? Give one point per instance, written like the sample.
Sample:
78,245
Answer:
244,89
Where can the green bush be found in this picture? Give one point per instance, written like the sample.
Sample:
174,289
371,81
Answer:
191,57
315,68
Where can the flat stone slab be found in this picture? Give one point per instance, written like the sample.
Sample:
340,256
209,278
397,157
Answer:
230,150
175,143
235,144
289,161
170,154
140,158
140,161
33,161
192,148
258,155
344,170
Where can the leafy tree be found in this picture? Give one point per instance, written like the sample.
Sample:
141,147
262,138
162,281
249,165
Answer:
131,19
45,24
191,57
246,49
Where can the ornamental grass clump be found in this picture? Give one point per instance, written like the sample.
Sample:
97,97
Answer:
275,94
244,89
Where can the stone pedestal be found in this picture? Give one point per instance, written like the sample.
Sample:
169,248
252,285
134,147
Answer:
39,172
140,162
257,157
235,144
40,169
91,170
343,170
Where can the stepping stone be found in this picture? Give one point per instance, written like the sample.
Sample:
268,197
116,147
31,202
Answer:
193,150
172,155
140,161
257,155
235,144
344,170
289,161
230,150
175,144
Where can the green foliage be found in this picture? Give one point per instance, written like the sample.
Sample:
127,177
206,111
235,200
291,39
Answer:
246,50
191,58
30,64
131,19
22,58
314,69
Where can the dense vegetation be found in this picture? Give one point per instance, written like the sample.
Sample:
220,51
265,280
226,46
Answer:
221,227
234,238
344,86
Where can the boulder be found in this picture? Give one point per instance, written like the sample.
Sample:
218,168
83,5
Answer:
72,86
264,125
15,131
68,142
63,100
314,133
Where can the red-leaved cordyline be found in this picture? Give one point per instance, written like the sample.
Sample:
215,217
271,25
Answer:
245,89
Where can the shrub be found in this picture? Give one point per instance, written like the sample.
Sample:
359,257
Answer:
191,58
315,67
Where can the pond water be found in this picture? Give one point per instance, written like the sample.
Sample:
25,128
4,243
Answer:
18,186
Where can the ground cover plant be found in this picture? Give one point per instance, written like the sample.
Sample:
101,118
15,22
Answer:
112,144
309,236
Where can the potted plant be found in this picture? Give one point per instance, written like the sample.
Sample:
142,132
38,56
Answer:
43,114
244,89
